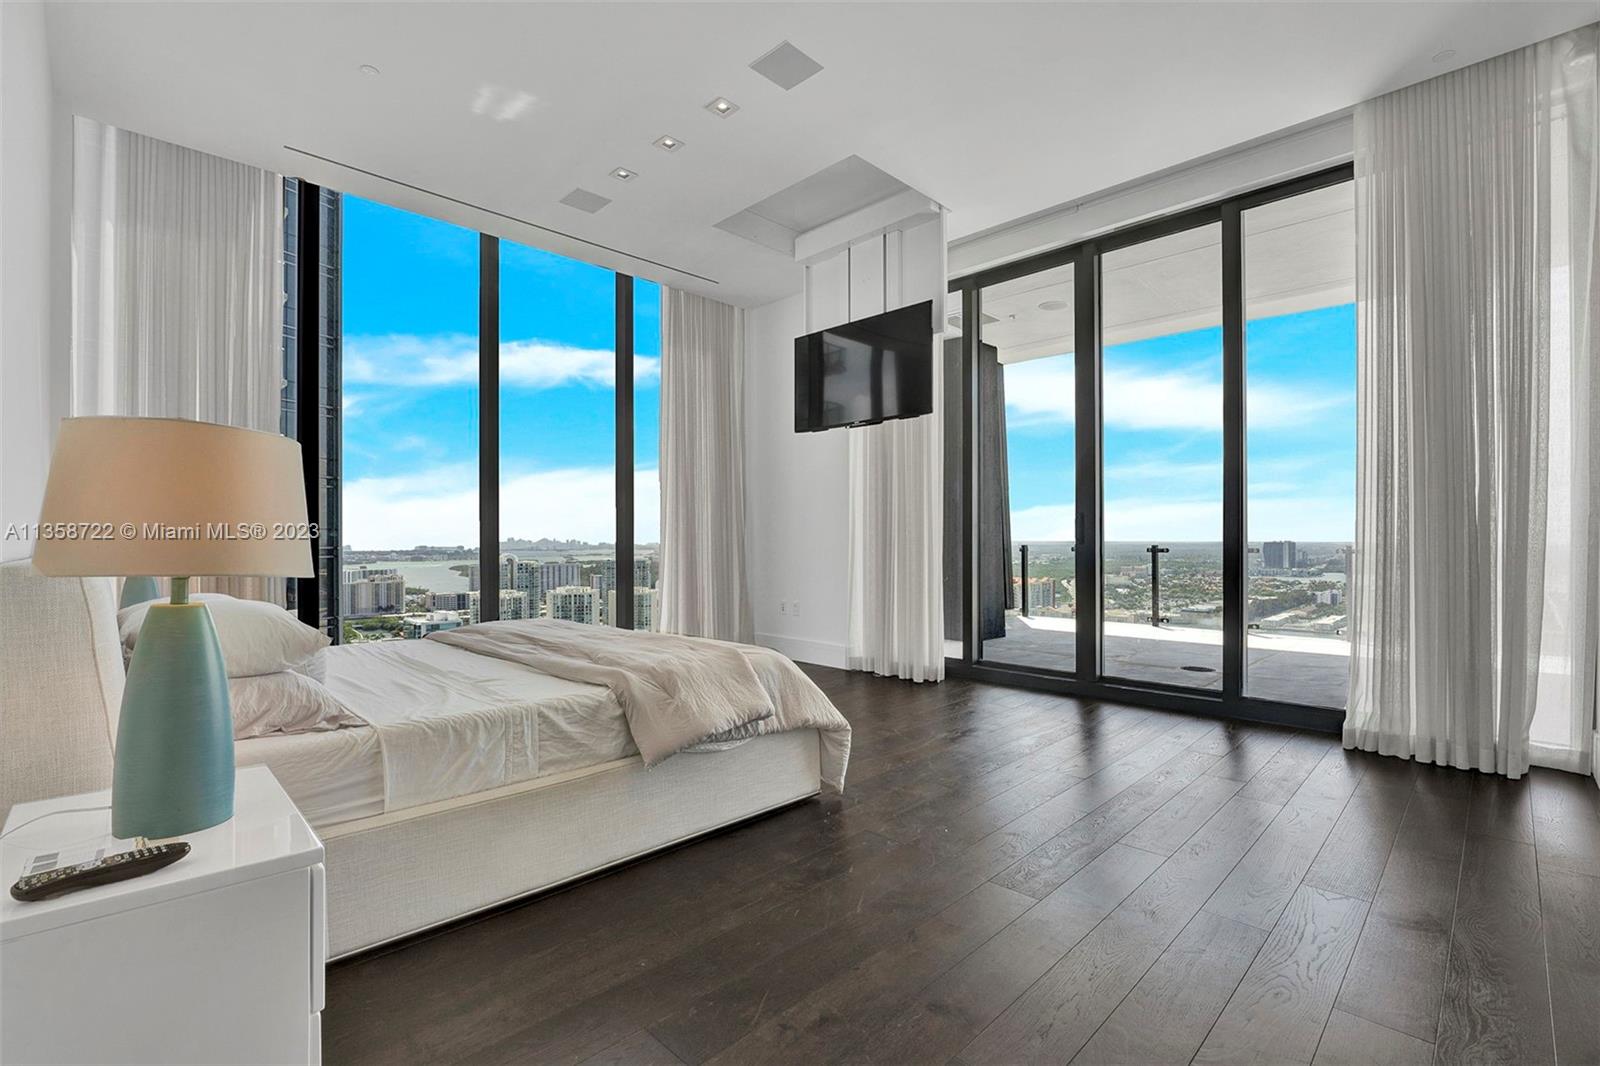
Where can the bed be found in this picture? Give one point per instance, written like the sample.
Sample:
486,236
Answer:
481,780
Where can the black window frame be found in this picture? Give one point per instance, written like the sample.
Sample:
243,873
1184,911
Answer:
1087,679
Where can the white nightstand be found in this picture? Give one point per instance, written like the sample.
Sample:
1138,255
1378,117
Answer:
217,959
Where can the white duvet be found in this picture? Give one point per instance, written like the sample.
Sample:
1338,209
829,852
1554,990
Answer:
677,692
450,723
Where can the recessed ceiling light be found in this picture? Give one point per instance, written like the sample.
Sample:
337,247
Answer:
722,107
668,143
368,68
1444,56
624,174
1054,305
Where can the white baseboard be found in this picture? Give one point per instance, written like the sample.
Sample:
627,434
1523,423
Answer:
817,652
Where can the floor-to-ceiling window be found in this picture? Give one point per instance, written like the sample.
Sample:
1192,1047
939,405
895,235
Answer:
1167,413
1161,389
409,324
484,458
1027,386
558,516
1300,418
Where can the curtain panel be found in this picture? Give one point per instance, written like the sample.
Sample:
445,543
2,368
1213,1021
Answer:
896,565
703,585
177,290
1474,591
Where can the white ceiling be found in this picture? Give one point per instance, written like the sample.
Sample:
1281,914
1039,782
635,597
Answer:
1299,254
995,110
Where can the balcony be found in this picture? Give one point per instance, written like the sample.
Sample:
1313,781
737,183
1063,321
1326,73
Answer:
1163,618
1291,667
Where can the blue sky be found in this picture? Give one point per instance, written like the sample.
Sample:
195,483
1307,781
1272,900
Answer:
1163,434
410,317
410,325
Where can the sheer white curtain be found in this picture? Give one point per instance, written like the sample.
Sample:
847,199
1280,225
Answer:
896,569
1474,589
703,588
895,574
177,288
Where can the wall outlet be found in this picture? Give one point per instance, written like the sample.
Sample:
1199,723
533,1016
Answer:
794,608
783,606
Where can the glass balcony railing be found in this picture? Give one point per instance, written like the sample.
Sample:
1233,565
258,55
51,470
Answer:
1163,615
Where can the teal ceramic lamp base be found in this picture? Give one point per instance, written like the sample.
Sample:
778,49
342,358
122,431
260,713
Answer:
173,771
137,590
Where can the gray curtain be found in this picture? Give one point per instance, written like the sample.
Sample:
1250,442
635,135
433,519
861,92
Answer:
994,496
703,587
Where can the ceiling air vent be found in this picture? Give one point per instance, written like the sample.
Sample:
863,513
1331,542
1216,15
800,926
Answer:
786,66
584,200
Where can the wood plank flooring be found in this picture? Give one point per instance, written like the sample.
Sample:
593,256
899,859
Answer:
1022,877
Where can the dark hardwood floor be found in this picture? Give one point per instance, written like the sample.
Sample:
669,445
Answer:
1022,877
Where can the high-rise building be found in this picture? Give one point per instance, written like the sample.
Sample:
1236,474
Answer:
525,576
1041,593
1279,555
560,575
513,603
572,603
365,591
451,601
644,608
644,572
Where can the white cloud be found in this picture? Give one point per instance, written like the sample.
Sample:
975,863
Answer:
452,359
439,505
1040,391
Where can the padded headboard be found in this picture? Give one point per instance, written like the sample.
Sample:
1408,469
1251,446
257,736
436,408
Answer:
60,683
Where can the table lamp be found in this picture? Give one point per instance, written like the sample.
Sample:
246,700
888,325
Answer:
143,496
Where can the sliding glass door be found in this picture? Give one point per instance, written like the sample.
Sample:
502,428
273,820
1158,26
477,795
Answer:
1162,432
1161,426
1028,482
1300,366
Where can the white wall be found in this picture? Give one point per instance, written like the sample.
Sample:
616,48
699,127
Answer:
797,485
32,347
796,500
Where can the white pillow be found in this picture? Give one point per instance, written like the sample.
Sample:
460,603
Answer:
285,702
256,637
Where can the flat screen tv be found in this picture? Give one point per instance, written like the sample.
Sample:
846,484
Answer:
866,371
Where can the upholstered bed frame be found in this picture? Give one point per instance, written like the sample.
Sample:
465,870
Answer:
399,873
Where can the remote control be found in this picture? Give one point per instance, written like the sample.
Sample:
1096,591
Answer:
118,867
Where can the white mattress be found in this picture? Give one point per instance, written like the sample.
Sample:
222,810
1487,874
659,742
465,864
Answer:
340,775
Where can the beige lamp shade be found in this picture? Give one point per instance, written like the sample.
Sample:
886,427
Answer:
170,498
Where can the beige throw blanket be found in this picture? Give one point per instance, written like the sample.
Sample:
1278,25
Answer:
677,692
